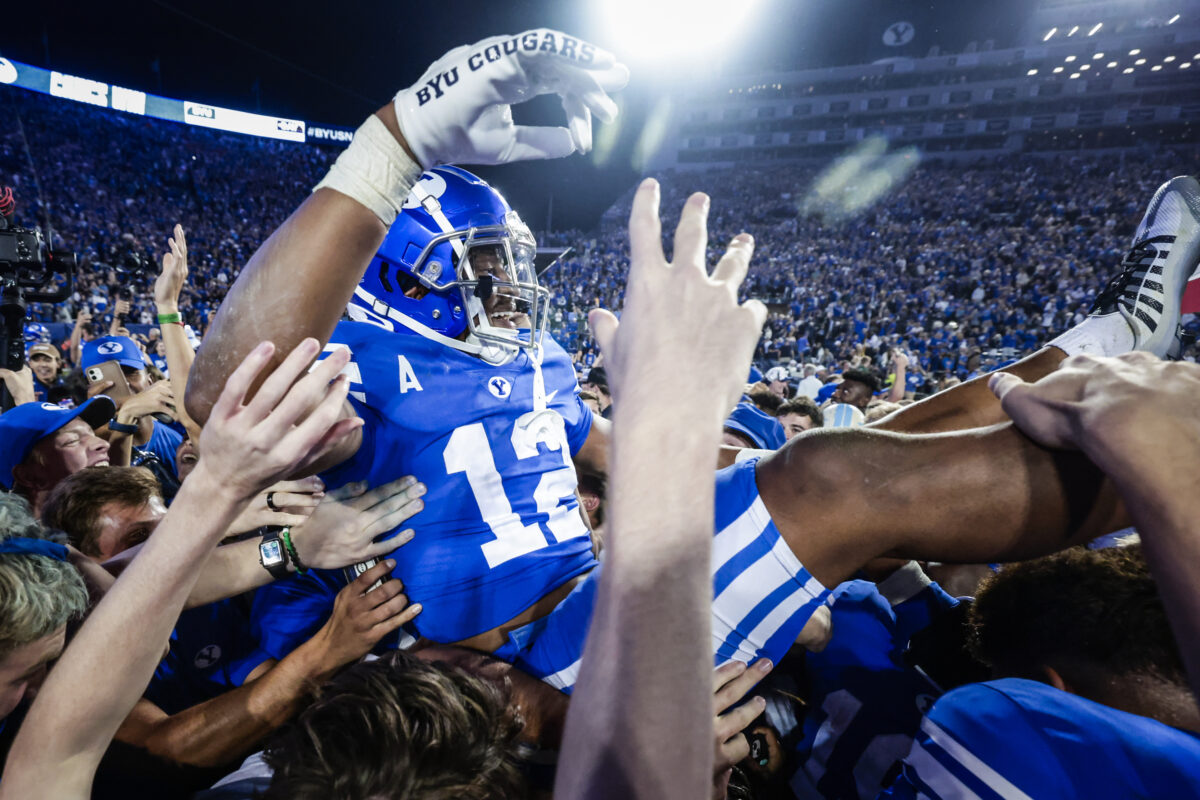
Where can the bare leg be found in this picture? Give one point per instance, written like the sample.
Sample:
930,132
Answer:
843,497
295,285
970,404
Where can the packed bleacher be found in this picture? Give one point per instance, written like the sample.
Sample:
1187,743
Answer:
407,548
989,260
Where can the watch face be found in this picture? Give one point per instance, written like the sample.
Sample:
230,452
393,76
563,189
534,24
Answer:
271,552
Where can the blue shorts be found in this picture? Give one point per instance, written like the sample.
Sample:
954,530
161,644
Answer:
762,594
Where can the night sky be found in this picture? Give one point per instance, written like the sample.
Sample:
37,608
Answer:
338,62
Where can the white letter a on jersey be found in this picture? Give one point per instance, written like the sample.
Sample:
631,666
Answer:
408,378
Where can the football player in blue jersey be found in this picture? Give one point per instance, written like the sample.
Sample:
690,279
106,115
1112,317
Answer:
482,407
1089,697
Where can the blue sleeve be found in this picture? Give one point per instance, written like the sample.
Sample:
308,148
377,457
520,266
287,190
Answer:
975,742
579,424
917,612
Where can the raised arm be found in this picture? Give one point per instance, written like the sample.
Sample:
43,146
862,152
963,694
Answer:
109,663
82,319
652,736
169,284
299,281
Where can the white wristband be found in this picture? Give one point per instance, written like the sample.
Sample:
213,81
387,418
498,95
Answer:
750,452
374,170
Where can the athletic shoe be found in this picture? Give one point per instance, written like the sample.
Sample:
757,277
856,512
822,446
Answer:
1166,250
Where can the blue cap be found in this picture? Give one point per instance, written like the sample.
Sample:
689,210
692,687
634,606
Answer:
755,375
121,349
760,428
24,426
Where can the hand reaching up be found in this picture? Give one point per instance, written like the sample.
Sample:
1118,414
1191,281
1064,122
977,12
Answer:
293,419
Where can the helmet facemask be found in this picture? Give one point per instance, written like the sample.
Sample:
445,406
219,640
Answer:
496,279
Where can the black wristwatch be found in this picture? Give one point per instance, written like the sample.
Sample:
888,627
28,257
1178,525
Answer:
272,555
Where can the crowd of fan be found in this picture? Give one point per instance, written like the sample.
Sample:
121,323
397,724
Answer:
963,270
955,272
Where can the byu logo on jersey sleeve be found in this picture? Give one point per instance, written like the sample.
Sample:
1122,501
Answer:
499,387
108,348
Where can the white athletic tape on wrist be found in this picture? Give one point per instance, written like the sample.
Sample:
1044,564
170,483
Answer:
903,584
374,170
750,452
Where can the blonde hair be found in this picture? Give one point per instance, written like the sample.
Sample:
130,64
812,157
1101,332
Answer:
38,594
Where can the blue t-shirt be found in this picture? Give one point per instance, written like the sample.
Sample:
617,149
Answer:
864,702
1016,738
164,441
501,526
212,651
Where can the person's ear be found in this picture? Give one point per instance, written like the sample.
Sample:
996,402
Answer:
27,475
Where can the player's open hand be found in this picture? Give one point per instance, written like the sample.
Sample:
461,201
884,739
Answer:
343,528
683,335
459,111
293,419
362,616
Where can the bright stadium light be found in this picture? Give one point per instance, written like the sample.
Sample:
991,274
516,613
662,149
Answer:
1074,75
1127,70
1135,51
1069,59
1084,66
1156,68
1032,72
1173,20
665,30
1057,70
1168,59
1185,65
1074,31
1139,62
1111,64
1097,55
1049,33
1097,27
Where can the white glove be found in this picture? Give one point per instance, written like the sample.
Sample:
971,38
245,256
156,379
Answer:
459,111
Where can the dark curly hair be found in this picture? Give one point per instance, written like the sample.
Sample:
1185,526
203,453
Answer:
864,376
399,728
1089,614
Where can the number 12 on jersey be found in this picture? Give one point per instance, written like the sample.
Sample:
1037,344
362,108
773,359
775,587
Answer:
470,452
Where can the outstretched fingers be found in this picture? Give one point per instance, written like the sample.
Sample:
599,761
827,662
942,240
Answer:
232,396
691,235
732,268
645,229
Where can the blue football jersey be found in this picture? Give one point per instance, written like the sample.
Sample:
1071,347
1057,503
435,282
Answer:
501,526
864,703
1019,739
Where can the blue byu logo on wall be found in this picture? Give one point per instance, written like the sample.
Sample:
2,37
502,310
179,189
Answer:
899,34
